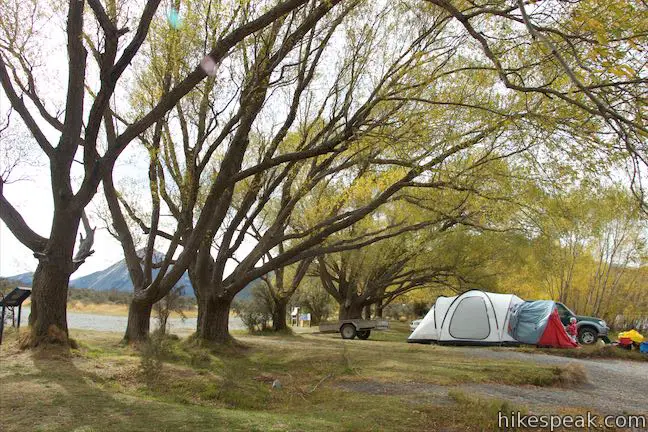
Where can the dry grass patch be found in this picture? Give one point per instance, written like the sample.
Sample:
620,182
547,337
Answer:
477,413
114,309
596,352
101,385
571,375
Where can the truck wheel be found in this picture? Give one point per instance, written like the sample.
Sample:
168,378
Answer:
364,334
587,335
348,331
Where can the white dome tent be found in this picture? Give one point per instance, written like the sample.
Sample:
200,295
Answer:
474,317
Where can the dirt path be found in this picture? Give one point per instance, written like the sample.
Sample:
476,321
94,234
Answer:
614,387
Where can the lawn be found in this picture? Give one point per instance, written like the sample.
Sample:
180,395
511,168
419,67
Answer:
326,384
608,351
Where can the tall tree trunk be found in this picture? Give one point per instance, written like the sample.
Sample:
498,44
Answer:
350,310
48,318
199,299
367,312
379,309
139,321
279,314
213,315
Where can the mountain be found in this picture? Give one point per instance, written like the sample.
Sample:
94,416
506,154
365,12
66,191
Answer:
116,277
22,279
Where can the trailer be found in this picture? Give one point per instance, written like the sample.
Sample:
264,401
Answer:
351,328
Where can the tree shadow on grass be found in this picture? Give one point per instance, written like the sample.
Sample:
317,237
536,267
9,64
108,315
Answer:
56,395
59,393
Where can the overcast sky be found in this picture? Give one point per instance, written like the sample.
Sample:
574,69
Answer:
32,196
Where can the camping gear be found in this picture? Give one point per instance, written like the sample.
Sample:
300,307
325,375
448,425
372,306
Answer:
625,341
643,347
472,318
482,318
538,323
633,335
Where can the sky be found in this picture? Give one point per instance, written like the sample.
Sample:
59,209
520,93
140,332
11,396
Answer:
32,194
32,197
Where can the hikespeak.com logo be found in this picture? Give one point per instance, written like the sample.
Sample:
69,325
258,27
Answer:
588,421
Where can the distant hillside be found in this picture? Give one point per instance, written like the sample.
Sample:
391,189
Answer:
116,277
22,279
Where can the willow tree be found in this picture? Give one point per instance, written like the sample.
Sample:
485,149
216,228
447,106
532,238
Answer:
582,60
68,127
588,247
254,182
280,286
451,219
194,159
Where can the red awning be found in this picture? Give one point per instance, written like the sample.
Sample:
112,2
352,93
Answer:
555,335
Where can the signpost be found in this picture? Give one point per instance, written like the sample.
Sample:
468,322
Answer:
303,318
294,316
12,300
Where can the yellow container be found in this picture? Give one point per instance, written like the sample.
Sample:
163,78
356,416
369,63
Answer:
633,335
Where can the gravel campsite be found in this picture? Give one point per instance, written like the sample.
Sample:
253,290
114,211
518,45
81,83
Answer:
323,215
326,383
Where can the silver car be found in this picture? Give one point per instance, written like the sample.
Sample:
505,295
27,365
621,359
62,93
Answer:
415,324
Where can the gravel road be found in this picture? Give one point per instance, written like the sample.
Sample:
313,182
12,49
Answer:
90,321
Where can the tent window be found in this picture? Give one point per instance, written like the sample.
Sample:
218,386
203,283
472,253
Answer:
470,319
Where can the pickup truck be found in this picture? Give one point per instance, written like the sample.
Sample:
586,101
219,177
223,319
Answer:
590,329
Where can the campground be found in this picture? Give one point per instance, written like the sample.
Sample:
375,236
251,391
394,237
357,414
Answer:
324,384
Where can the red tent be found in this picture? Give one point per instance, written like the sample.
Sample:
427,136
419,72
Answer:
555,335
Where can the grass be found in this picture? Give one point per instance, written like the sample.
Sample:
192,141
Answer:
106,308
593,352
327,384
474,410
570,375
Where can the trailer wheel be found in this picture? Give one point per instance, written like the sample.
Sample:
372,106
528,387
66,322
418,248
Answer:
364,334
348,331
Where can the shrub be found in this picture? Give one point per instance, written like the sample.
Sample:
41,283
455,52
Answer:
87,295
151,357
256,313
313,299
169,303
396,311
420,308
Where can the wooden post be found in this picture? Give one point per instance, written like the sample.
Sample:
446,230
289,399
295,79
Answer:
2,323
19,312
